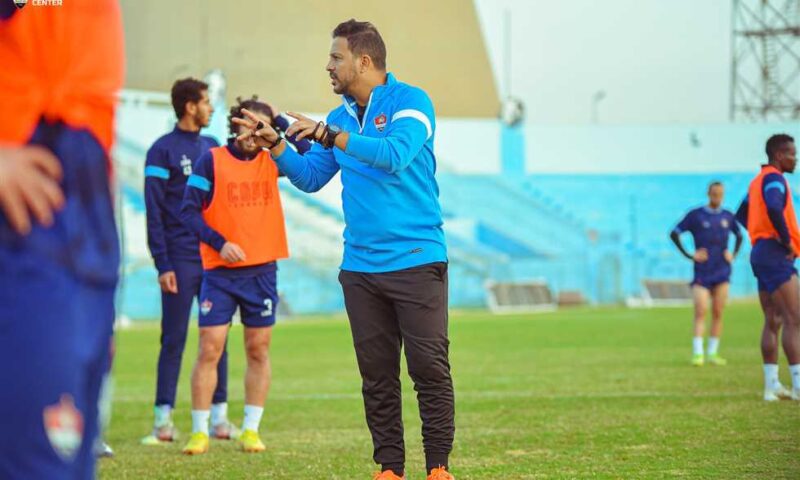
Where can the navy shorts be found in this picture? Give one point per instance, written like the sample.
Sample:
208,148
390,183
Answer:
255,295
55,333
713,279
771,265
771,276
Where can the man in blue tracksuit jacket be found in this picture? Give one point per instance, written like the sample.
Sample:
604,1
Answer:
394,271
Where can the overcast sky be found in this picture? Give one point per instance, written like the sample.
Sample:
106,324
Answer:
659,61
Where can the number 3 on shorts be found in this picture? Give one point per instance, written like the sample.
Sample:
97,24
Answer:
267,312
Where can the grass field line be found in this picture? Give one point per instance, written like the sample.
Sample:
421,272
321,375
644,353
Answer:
499,395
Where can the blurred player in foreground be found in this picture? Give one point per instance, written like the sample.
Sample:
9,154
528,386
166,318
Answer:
59,256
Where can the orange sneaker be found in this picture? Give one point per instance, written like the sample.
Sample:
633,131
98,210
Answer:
387,475
440,473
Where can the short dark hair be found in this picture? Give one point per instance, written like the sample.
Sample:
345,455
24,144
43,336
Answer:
715,183
186,90
251,104
776,143
363,39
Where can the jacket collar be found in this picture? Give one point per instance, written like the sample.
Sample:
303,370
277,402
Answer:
377,92
185,133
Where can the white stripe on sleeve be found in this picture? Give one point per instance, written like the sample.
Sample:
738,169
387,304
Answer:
409,113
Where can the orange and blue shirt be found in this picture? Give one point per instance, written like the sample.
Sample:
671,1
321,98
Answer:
769,216
62,68
230,197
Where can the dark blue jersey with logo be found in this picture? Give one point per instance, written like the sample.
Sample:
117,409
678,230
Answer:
167,169
711,230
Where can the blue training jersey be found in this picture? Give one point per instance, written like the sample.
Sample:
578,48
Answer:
390,197
711,230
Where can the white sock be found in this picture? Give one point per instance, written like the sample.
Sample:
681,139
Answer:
163,415
252,417
697,345
200,421
219,413
771,380
713,345
795,371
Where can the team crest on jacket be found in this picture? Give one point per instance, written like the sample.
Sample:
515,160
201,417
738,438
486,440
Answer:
206,306
380,122
63,424
725,223
186,165
20,3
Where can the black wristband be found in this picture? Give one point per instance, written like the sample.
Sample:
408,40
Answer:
314,132
329,136
275,143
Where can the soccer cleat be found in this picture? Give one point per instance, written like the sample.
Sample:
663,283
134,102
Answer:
225,431
698,360
251,442
779,392
716,360
102,450
387,475
150,440
166,433
161,435
198,444
440,473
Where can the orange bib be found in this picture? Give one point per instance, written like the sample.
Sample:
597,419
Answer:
62,63
245,209
758,224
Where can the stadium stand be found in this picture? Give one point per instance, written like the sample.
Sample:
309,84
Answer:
599,234
663,293
518,297
640,211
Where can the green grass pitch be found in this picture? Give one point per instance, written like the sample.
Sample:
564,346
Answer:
594,393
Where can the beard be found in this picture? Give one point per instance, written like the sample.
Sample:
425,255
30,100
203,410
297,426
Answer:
248,147
340,87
